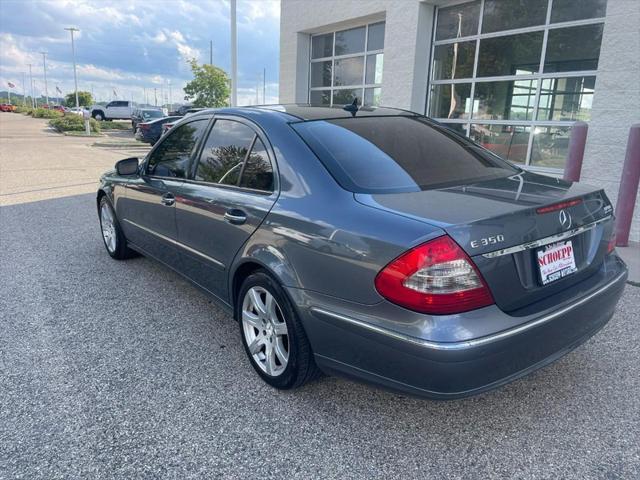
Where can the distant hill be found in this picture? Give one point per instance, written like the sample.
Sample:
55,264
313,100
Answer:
18,96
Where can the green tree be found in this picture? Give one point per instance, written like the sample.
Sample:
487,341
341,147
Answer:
209,87
84,98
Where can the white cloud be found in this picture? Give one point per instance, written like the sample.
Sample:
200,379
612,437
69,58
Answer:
160,37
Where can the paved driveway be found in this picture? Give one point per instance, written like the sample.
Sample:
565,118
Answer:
124,370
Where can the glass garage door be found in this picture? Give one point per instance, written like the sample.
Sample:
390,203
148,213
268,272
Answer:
514,75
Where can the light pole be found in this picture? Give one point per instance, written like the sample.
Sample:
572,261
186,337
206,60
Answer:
234,56
73,53
31,84
170,97
24,90
44,65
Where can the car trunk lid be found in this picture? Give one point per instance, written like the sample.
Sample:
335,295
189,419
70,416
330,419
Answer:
503,223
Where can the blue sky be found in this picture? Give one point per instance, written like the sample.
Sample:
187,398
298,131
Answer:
134,44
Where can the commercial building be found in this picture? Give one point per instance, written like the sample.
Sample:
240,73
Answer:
514,75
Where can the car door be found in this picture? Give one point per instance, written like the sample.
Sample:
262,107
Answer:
232,188
148,213
122,109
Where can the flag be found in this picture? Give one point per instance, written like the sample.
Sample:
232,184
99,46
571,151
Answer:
58,89
11,85
115,94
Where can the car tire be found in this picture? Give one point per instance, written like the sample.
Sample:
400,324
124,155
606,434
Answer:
99,116
112,235
274,339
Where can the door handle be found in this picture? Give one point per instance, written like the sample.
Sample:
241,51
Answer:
235,216
168,199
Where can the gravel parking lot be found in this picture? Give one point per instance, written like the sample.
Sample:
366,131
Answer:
124,370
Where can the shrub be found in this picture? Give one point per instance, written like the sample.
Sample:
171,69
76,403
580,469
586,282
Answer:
109,125
46,113
73,123
25,110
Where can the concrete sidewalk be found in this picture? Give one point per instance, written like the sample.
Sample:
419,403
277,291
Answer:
631,256
37,163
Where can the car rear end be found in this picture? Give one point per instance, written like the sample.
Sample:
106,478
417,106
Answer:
522,271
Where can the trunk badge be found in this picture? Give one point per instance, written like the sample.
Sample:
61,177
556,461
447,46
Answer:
565,219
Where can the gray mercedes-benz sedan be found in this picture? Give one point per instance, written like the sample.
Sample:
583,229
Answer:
373,243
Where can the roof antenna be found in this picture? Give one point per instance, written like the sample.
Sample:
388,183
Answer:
352,107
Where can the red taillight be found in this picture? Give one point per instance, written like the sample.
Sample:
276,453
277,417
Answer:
559,206
436,277
611,246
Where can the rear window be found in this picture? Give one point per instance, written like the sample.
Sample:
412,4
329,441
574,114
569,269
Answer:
152,114
398,154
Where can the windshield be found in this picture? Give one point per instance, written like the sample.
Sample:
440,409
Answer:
152,114
397,154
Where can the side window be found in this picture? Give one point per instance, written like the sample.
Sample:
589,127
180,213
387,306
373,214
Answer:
171,158
258,173
110,104
223,154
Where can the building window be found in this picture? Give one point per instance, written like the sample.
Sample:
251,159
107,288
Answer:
515,74
347,65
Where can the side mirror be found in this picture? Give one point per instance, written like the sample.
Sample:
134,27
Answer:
128,166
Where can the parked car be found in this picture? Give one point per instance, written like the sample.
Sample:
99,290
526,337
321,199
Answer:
116,110
144,115
150,132
372,243
7,107
180,111
167,126
77,110
60,108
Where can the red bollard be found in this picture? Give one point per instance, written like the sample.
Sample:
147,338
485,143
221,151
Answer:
575,155
628,187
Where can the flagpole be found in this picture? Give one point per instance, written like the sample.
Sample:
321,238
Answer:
24,91
44,65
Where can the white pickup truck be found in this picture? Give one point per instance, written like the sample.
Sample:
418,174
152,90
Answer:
116,110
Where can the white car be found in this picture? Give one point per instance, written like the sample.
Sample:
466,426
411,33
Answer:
116,110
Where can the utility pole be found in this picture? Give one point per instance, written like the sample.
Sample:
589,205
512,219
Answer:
211,52
155,95
162,94
234,56
146,99
257,90
44,65
170,97
73,54
31,84
24,90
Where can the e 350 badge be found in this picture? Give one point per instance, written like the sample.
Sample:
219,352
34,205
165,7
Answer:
486,241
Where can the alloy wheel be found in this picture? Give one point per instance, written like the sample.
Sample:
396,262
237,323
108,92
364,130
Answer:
265,331
108,226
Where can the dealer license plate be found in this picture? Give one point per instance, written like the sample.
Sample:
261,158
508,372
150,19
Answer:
556,261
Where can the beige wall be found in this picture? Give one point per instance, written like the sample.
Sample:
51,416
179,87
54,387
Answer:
616,101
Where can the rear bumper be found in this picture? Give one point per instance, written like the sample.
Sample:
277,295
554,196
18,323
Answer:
352,345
